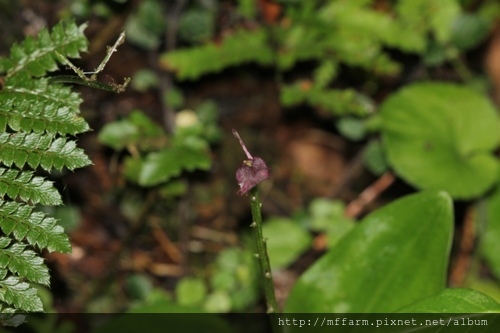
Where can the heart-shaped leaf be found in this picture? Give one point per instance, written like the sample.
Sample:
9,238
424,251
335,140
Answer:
441,136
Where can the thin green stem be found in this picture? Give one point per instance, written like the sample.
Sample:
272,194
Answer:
117,88
92,80
260,241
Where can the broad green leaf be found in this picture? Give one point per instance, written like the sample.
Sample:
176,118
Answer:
441,136
396,256
286,241
459,300
490,241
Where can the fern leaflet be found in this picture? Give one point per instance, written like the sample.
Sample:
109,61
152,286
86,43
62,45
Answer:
37,119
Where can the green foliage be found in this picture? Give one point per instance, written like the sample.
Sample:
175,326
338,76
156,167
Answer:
145,26
163,157
459,300
38,120
211,58
322,216
190,292
441,136
285,250
490,232
379,254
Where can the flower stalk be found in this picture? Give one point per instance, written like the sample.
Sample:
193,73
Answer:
260,242
252,171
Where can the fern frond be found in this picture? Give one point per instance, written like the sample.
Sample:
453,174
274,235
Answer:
23,262
40,150
24,88
36,55
27,187
38,229
338,102
211,58
19,294
22,115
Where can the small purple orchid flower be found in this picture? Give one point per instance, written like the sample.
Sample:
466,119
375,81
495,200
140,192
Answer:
252,171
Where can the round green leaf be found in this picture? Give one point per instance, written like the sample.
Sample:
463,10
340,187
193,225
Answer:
441,136
190,291
286,241
459,300
396,256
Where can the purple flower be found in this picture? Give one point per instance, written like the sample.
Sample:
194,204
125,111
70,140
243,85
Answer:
252,171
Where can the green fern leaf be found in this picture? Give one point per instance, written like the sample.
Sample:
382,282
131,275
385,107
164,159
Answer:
19,294
211,58
27,187
40,230
37,149
338,102
25,263
161,166
50,118
36,56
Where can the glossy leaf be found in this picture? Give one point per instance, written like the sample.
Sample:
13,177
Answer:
490,241
36,55
37,116
27,187
28,104
40,150
459,300
441,136
19,294
396,256
285,250
22,262
40,230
